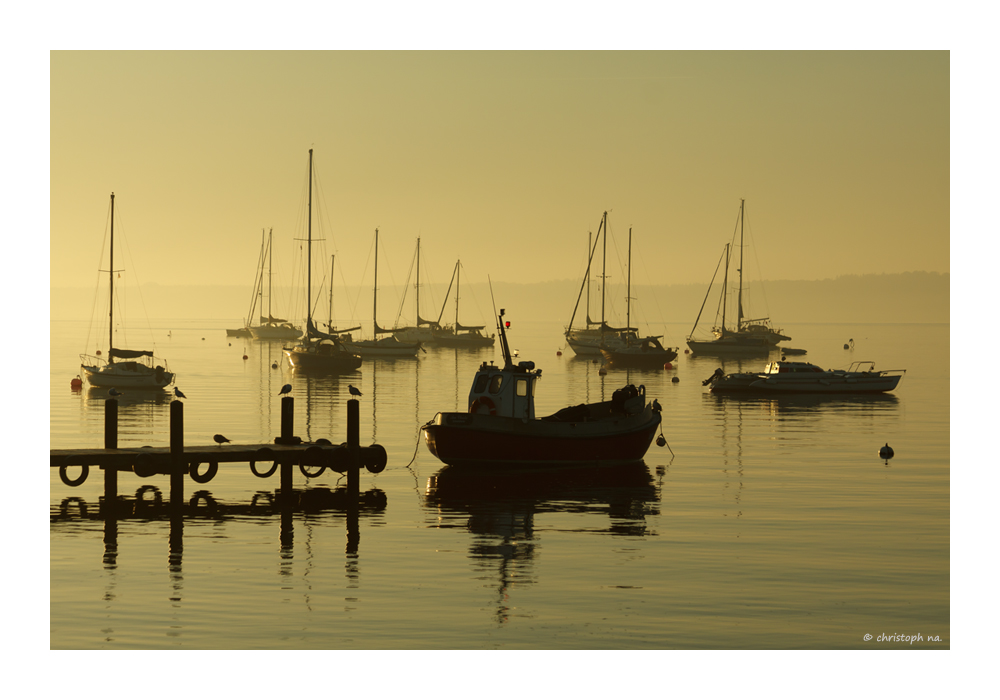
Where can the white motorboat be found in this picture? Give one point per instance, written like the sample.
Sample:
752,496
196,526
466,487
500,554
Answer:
787,377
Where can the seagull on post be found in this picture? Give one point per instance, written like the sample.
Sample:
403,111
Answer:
221,439
114,393
179,394
354,390
287,389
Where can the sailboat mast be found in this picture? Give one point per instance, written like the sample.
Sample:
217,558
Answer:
111,279
739,299
375,292
604,270
590,237
418,281
269,274
458,283
725,289
330,324
309,250
628,292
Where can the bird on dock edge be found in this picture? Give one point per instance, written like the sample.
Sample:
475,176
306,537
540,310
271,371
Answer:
221,439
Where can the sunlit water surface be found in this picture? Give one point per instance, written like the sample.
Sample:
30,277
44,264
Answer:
774,523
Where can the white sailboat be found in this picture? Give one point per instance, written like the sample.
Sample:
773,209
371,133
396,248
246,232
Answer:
318,351
380,347
132,369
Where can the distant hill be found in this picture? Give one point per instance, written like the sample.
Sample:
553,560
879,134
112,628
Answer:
911,297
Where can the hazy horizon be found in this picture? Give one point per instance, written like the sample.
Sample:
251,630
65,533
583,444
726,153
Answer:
505,160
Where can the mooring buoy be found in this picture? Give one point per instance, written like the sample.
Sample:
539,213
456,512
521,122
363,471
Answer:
885,452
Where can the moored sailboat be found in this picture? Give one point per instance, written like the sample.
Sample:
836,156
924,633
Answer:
588,340
458,335
642,353
318,351
380,347
423,332
749,336
272,328
133,369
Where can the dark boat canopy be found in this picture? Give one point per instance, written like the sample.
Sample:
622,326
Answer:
128,354
314,332
605,328
425,322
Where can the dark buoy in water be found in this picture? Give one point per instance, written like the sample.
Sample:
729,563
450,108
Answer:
849,345
687,351
675,380
274,366
885,452
594,361
661,441
76,382
558,353
602,371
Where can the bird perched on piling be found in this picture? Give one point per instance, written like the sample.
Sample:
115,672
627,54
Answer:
354,390
287,389
114,393
221,439
179,394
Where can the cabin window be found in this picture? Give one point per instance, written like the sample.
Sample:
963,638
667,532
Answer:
522,387
480,386
495,384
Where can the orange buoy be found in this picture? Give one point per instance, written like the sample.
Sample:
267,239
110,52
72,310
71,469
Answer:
76,382
667,365
98,352
558,353
245,357
687,352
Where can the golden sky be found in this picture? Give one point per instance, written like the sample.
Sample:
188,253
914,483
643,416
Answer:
503,159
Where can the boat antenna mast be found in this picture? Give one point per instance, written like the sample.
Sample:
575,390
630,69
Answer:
504,348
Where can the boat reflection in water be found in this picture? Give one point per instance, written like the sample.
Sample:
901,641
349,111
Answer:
497,504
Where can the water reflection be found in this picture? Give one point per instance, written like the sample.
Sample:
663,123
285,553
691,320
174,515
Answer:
498,506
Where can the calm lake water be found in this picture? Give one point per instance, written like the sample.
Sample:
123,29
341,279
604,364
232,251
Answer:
773,525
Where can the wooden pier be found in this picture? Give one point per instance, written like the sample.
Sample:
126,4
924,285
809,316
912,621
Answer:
179,461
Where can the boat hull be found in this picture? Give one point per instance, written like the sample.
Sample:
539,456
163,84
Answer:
322,358
827,383
386,348
467,439
638,360
122,375
726,347
275,333
462,340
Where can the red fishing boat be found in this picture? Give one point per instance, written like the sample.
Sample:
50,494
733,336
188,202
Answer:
500,427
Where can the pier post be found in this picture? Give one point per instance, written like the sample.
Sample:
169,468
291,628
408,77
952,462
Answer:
354,449
176,454
110,443
287,432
